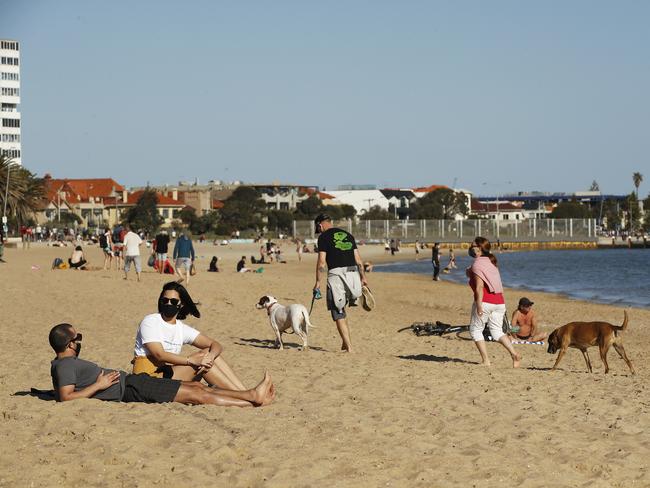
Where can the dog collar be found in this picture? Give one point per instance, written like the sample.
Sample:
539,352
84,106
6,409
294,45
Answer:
268,309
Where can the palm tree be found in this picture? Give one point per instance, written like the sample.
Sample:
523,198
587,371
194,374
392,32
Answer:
24,192
637,178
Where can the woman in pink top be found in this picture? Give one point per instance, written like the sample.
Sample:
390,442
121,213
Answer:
489,306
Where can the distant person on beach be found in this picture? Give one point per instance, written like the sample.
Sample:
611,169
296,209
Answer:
524,319
161,248
106,244
339,257
214,268
488,307
393,247
241,266
417,250
299,249
2,244
184,257
132,244
77,260
435,260
74,378
452,262
161,336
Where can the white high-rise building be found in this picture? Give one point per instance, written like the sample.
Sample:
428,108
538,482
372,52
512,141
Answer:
10,100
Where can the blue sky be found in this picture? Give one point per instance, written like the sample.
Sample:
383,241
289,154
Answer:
498,96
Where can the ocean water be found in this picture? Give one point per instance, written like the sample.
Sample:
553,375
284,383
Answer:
613,276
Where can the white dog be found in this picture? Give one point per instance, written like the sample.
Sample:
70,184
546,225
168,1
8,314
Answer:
282,318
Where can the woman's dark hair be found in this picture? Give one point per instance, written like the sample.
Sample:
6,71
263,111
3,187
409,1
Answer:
486,247
60,337
188,306
214,259
78,248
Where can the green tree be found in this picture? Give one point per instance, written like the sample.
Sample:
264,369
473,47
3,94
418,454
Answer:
242,211
144,214
280,220
570,210
611,214
646,211
594,186
637,178
442,203
26,191
309,208
377,213
633,211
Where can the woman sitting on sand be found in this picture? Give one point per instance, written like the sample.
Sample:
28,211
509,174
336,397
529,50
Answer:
214,268
161,336
489,306
77,260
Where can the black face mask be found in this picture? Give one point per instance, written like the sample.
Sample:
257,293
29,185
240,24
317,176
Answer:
472,252
169,311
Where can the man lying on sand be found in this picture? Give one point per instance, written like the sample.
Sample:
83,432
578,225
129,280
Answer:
75,378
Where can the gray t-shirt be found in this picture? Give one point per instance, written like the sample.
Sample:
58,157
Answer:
80,373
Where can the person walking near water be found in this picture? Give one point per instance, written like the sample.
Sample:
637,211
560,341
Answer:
337,249
435,260
488,307
184,257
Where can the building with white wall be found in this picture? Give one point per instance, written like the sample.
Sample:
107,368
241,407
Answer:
361,200
10,100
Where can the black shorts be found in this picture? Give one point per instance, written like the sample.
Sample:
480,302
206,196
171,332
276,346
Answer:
147,389
336,315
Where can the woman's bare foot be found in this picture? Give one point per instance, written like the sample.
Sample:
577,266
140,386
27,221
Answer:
487,364
261,391
516,360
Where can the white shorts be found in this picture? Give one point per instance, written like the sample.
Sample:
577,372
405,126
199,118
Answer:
492,316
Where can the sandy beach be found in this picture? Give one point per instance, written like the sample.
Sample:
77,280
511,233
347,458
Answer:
401,411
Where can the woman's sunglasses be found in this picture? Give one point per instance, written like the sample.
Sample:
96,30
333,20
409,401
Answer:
173,301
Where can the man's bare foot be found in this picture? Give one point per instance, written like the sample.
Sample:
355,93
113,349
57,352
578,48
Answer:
261,391
516,360
270,397
487,364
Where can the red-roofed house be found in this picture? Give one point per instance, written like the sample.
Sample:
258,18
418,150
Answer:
87,198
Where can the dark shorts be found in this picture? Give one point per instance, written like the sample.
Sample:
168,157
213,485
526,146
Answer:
144,388
336,315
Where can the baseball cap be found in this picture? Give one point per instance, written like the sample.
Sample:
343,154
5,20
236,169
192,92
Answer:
320,218
525,302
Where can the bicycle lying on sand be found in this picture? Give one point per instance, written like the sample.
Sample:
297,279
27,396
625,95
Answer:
439,329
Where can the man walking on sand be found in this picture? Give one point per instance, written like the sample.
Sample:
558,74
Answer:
74,378
132,243
345,274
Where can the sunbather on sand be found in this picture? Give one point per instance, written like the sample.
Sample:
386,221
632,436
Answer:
75,378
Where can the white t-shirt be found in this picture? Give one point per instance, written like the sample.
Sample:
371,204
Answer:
172,336
131,243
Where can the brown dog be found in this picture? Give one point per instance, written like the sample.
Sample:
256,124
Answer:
583,335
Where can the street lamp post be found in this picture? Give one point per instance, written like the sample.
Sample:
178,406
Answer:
4,211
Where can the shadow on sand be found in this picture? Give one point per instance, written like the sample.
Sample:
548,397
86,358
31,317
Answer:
46,395
435,359
270,344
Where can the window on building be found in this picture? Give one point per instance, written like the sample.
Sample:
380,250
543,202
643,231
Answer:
10,92
10,122
284,205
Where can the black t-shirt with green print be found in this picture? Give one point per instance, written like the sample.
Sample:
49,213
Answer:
339,246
